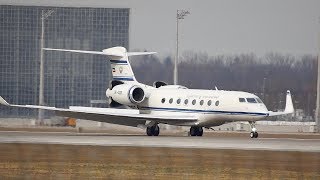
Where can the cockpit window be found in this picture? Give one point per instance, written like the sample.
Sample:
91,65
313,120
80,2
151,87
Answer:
242,100
259,100
251,100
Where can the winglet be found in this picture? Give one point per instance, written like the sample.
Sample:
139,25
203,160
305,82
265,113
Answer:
289,105
4,102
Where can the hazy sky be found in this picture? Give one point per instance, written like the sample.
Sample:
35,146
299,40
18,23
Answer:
215,26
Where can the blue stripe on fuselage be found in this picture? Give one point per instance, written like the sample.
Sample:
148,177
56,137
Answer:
123,78
119,61
205,111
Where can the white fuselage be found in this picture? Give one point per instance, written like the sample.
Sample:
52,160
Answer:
212,107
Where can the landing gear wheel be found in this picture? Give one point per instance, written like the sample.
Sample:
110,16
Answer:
193,131
156,130
200,131
153,130
149,131
196,131
254,134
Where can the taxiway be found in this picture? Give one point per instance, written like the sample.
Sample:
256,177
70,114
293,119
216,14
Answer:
103,139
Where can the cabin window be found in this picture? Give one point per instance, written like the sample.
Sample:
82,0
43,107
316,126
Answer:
178,101
242,100
251,100
194,102
259,100
186,101
170,101
217,103
201,102
163,100
209,103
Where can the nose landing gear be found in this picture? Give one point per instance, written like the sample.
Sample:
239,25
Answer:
253,133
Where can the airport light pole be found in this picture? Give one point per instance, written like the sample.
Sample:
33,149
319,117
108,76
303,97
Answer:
317,116
44,16
180,15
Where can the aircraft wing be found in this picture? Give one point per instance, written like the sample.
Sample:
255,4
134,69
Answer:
288,109
126,117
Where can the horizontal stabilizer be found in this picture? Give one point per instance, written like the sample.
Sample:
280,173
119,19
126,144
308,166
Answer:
140,53
115,51
87,52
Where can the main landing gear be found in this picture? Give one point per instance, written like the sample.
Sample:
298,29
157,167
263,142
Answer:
153,130
196,131
253,133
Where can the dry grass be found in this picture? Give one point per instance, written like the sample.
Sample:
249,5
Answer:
86,162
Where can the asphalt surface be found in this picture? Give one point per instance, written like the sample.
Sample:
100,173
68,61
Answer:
104,139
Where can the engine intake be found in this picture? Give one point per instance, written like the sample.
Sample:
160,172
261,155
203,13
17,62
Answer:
136,94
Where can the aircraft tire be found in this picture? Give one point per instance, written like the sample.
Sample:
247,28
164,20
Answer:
252,134
149,131
156,130
193,131
199,131
256,134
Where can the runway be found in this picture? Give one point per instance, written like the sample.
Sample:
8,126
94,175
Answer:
127,140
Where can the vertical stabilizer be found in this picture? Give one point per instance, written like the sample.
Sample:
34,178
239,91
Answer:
120,65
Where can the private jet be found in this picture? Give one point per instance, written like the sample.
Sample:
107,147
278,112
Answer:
163,103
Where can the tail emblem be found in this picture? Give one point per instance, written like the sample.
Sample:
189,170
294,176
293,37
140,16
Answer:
120,69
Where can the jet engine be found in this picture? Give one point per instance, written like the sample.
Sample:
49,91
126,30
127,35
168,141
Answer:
126,94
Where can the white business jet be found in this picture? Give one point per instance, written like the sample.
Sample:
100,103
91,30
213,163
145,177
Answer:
167,104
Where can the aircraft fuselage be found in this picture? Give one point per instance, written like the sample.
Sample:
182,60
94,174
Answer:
212,107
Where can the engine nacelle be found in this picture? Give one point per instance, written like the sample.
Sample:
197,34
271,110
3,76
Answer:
126,94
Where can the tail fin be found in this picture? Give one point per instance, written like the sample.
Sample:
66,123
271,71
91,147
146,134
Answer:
289,105
120,65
